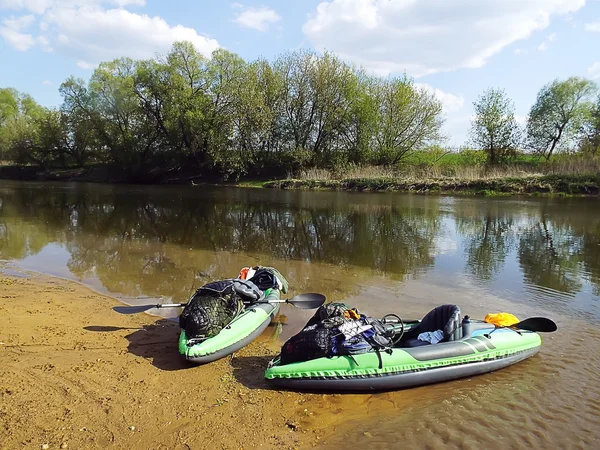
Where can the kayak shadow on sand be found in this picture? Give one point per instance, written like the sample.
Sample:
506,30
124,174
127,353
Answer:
250,371
157,342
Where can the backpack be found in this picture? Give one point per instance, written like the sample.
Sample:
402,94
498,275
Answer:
312,342
372,336
212,308
336,329
318,338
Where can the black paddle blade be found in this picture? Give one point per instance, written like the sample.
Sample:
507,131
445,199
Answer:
540,324
133,309
307,301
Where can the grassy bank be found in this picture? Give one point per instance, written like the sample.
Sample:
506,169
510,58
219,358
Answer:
572,176
537,185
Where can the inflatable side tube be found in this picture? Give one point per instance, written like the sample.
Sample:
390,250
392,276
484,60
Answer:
403,380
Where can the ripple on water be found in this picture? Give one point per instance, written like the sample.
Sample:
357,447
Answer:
549,401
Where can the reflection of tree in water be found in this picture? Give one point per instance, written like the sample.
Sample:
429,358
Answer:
163,241
489,238
556,245
20,238
139,243
549,256
591,256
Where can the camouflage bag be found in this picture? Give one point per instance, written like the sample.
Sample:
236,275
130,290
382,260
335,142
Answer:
211,309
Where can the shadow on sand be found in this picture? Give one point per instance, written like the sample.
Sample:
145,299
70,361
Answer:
108,329
157,341
250,371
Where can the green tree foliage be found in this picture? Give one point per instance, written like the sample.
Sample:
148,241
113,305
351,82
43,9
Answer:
407,118
222,115
29,133
589,134
558,113
494,128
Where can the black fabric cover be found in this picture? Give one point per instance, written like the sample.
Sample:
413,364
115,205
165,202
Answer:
264,279
312,342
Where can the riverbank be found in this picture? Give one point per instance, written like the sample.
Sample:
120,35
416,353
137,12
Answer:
567,184
588,185
75,374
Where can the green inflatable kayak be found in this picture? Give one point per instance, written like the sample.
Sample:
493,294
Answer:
240,332
472,348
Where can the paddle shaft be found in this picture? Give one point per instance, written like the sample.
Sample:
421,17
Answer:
170,305
303,301
181,305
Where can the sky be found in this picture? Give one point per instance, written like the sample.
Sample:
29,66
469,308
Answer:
455,48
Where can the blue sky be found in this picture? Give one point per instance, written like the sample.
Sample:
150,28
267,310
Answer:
456,48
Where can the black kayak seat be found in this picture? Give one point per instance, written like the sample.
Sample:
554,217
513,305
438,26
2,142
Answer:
446,318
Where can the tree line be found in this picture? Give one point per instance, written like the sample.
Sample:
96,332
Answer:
564,116
224,115
184,113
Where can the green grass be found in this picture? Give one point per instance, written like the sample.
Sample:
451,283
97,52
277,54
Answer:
542,184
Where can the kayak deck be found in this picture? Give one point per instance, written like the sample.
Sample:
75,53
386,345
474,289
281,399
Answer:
240,332
479,352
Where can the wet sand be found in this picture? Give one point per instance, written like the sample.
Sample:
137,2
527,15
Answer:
75,374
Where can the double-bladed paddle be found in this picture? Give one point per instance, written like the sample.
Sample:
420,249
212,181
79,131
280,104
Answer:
302,301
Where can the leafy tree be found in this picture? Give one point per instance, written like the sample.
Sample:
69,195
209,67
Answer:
173,94
222,116
9,108
589,135
28,132
494,128
559,111
408,118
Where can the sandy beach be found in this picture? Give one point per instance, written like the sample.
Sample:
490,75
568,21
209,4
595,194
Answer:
75,374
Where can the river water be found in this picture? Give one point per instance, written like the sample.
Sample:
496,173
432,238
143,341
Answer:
379,252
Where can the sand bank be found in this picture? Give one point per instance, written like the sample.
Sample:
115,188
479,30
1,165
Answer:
75,374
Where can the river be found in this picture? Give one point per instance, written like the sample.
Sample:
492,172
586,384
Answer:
380,252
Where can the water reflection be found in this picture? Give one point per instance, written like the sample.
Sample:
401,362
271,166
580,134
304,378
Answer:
166,240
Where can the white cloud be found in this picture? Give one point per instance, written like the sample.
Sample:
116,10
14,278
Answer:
450,102
86,65
427,37
19,41
34,6
594,70
47,83
257,18
10,31
19,23
41,6
87,32
546,42
592,26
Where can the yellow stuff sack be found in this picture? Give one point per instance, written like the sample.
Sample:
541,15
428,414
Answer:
501,319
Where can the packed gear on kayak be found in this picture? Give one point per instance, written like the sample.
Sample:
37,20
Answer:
467,347
222,319
256,274
336,329
211,308
216,304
